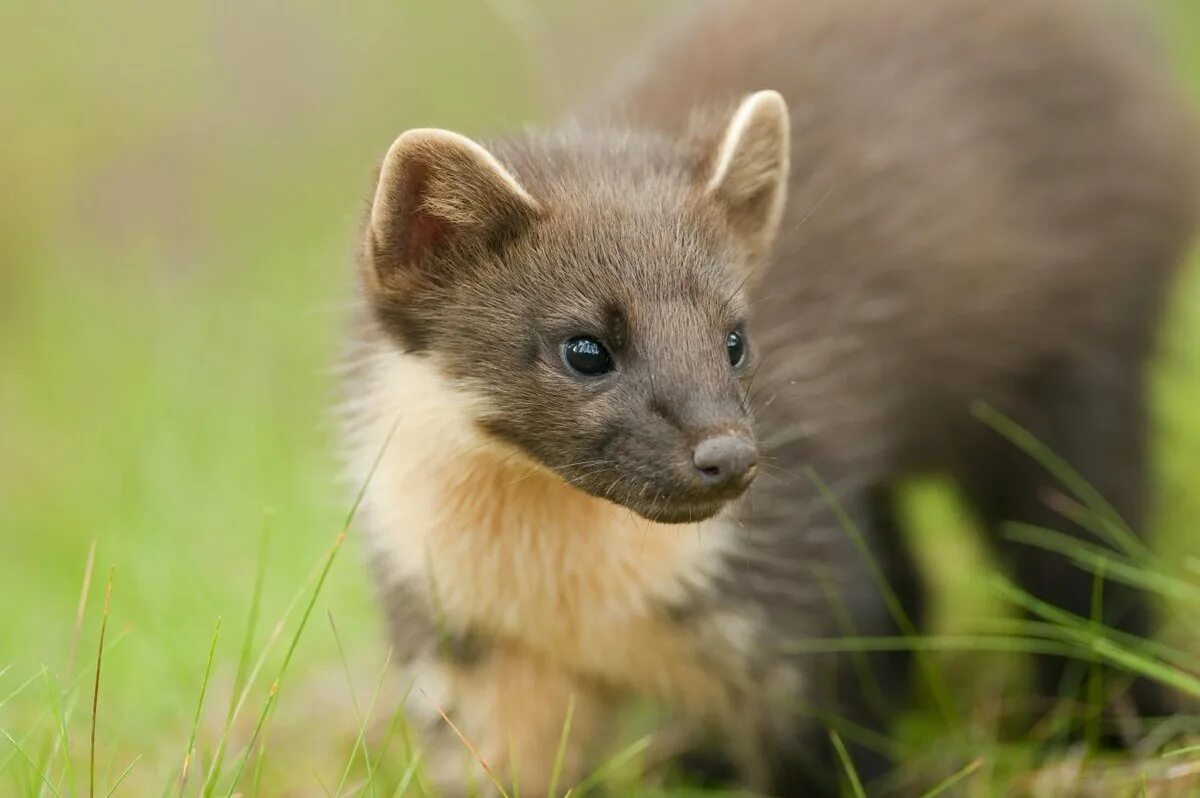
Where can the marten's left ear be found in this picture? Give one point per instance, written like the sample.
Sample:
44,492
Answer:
748,174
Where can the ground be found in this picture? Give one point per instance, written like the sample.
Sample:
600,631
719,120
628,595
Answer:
182,185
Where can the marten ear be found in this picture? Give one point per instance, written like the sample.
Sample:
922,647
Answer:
748,174
438,190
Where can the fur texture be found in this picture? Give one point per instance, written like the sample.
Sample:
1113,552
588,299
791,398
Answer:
967,201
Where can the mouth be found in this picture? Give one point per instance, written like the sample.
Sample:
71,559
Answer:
663,505
681,512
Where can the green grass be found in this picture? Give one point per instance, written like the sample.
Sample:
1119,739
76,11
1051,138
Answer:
182,183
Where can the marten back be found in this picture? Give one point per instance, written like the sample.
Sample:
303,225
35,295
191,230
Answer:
979,192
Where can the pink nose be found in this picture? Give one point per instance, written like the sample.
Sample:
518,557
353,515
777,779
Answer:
725,460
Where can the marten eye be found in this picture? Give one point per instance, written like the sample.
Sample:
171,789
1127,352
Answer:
735,347
587,356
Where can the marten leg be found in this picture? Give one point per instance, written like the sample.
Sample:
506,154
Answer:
893,554
871,687
511,706
812,584
1095,423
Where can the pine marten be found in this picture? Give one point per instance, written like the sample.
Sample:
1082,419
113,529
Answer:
636,366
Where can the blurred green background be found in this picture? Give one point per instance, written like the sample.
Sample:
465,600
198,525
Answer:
180,186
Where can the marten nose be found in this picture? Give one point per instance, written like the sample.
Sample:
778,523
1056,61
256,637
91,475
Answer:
725,460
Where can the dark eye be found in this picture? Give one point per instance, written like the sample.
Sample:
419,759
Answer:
587,356
735,347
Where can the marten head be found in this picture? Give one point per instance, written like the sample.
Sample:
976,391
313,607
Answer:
589,290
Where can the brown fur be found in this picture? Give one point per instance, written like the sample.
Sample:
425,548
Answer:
980,201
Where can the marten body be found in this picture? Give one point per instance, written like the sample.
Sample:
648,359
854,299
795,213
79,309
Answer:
585,343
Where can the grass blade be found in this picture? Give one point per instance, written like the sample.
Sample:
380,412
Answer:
96,684
287,658
1095,679
1102,641
359,741
245,676
62,714
470,747
80,609
33,766
121,778
1105,522
612,764
946,784
191,746
1091,556
406,778
561,754
847,765
998,643
23,686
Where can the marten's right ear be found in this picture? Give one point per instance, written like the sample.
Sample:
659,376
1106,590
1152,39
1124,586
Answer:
438,190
